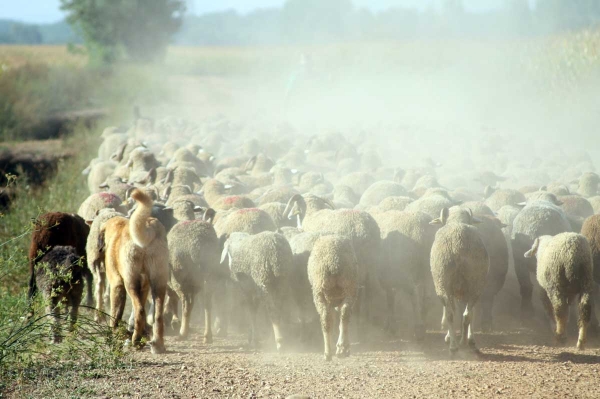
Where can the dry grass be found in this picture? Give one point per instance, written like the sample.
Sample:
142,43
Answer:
17,56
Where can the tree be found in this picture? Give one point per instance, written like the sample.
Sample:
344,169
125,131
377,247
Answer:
138,29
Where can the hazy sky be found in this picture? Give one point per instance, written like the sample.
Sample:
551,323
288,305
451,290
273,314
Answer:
38,11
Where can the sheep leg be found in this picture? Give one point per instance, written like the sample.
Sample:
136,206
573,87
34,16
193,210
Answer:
171,305
467,335
585,311
53,309
74,301
99,294
252,337
525,288
187,304
326,316
157,345
561,315
89,284
117,303
275,316
208,335
418,309
449,324
391,311
343,344
223,305
487,304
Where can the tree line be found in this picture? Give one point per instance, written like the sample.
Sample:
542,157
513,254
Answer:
141,30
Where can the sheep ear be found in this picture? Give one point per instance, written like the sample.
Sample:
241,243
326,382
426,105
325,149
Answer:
209,215
533,251
225,252
227,186
86,171
522,204
444,215
436,221
129,163
103,185
89,222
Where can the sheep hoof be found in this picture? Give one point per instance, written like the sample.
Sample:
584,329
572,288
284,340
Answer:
343,354
176,325
580,345
560,340
327,357
208,339
157,348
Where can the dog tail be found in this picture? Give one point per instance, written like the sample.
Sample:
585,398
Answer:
141,233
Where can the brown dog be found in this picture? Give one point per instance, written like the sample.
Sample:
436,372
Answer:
137,262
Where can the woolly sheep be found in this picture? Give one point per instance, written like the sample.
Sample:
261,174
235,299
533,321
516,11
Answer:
95,202
536,219
588,184
194,252
564,271
406,238
95,257
502,197
59,276
333,276
379,191
591,231
260,266
459,266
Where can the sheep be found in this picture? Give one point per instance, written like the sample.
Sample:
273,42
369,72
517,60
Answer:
58,229
394,204
333,276
315,214
233,201
98,173
182,176
577,210
276,194
542,195
260,266
95,256
359,182
249,220
595,202
406,238
95,202
591,231
275,211
459,266
430,205
59,276
502,197
490,229
536,219
302,244
194,252
379,191
564,271
214,190
116,186
588,184
477,207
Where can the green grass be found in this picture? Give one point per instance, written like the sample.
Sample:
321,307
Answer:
32,91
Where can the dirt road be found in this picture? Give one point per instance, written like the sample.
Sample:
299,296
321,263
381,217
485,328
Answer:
513,364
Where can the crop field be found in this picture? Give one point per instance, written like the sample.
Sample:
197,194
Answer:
410,95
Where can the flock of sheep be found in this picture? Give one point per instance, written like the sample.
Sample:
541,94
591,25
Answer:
319,225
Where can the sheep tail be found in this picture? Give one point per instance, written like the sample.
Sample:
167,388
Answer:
141,233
